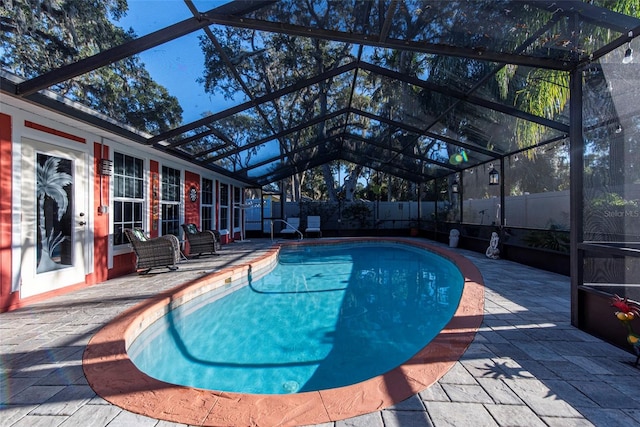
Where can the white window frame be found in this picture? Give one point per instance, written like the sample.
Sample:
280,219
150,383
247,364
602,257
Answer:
212,206
225,207
175,204
140,201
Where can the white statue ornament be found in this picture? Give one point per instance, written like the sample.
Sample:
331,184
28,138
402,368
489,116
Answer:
492,251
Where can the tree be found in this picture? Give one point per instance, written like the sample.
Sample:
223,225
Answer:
40,36
545,93
264,62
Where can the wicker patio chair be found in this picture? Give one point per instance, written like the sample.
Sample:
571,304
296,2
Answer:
201,242
163,251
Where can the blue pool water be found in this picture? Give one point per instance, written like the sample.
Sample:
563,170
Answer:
326,316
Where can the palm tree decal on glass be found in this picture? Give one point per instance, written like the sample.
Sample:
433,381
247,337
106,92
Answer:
54,207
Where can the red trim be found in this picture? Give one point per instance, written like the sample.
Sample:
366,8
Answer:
122,265
154,197
101,219
6,297
191,209
52,131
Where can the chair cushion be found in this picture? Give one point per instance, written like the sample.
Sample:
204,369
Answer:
140,235
192,229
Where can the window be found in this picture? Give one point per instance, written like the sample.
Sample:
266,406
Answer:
224,206
128,195
206,205
236,210
170,205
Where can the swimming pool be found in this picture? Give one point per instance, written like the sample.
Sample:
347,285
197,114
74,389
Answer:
112,375
326,316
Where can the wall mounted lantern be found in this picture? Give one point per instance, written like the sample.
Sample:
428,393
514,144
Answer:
455,187
106,167
494,176
628,55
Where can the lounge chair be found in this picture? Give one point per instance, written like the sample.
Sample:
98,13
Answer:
163,251
201,242
313,225
292,227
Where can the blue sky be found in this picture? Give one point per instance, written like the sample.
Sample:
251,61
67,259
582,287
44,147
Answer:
178,64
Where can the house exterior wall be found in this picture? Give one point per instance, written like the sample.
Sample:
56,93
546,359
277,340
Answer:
192,207
21,121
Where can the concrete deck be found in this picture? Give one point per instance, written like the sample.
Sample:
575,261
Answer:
526,367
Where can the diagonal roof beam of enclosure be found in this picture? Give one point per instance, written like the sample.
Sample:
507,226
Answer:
234,71
213,167
465,97
346,68
616,44
528,42
342,136
336,154
629,26
290,170
212,131
284,133
397,151
295,165
311,147
374,40
390,122
392,169
133,47
416,130
337,71
251,104
589,13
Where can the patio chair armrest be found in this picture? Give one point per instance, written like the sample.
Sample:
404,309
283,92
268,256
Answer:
175,245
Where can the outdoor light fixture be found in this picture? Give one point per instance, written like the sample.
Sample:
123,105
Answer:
106,167
494,176
455,187
628,55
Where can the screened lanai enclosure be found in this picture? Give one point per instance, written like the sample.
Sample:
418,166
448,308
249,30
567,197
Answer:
515,117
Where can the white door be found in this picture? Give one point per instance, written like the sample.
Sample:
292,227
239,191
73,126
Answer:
54,217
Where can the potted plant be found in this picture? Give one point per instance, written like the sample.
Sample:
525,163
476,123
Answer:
414,227
357,214
626,312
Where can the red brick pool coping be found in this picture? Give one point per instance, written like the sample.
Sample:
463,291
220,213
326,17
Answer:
115,378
